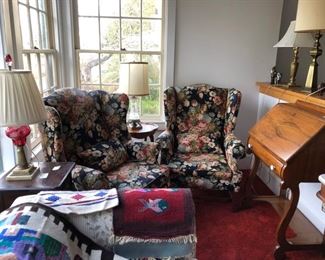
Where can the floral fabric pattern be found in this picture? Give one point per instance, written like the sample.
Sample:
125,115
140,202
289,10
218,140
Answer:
90,129
105,156
199,143
143,151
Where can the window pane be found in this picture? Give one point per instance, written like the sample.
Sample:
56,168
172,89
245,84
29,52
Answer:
110,67
153,68
41,5
35,28
35,69
150,104
44,33
90,87
88,7
24,23
45,61
110,33
130,8
151,35
26,63
110,88
130,57
33,3
88,33
131,34
109,7
89,67
151,8
23,1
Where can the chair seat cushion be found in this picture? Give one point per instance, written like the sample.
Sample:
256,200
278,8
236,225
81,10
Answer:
196,143
139,175
104,156
204,170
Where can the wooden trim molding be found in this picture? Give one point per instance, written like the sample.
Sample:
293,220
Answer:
290,95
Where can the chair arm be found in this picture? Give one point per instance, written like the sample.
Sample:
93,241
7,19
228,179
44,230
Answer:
166,146
85,178
143,151
51,135
235,150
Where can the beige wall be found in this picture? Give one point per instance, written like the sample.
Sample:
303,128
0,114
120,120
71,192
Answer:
228,43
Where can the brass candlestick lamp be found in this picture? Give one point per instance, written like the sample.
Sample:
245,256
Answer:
295,41
311,18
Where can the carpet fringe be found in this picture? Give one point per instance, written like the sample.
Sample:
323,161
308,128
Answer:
179,240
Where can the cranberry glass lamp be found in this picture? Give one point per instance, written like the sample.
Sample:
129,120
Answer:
20,105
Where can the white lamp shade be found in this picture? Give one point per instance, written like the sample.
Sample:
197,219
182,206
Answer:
134,78
20,100
310,16
293,39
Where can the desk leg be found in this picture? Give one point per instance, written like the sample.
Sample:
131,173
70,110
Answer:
252,175
283,244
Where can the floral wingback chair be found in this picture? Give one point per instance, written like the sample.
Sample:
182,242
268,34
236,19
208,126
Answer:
90,129
199,144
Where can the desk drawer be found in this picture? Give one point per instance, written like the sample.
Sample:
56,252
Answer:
276,165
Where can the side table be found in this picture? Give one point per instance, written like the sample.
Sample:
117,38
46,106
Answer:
56,180
147,130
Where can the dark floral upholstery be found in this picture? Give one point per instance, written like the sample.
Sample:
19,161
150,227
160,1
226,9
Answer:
90,129
199,145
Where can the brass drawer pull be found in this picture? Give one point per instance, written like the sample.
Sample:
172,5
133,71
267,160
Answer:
272,167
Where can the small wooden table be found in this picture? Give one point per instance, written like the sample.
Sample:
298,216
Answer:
147,130
56,180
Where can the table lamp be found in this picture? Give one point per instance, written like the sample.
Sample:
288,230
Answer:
134,83
311,18
20,104
295,41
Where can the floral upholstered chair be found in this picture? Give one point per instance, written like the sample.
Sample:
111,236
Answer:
199,145
90,129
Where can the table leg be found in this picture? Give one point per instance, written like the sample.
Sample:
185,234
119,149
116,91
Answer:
283,244
151,138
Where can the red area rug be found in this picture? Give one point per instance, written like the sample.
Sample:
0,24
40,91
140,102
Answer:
247,234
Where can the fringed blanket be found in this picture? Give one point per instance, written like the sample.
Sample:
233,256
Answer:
155,215
76,202
34,231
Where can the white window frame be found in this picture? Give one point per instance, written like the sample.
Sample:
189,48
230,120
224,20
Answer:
146,118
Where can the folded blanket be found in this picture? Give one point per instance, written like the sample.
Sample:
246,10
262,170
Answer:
154,215
76,202
34,231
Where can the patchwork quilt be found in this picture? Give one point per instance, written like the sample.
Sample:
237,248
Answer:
34,231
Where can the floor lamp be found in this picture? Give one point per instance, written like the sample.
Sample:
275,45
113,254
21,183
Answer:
20,105
311,18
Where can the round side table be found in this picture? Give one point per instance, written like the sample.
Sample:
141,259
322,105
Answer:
147,130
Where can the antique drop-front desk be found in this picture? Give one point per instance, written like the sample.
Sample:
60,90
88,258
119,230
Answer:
290,139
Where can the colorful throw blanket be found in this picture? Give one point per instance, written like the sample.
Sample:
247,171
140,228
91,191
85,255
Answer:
34,231
76,202
154,215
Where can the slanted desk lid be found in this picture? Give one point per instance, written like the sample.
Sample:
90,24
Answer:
286,128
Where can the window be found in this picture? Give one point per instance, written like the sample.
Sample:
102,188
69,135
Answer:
39,54
114,31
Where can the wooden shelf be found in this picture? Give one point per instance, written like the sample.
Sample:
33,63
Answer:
290,95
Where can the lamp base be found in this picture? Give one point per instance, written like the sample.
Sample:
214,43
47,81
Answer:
135,124
18,174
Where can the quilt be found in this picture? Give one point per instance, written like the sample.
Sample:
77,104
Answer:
34,231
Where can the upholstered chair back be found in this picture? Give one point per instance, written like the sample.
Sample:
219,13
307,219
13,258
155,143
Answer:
201,113
85,118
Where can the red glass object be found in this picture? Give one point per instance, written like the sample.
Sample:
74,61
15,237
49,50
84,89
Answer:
18,134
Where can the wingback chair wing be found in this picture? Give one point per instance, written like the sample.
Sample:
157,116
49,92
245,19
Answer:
90,129
199,144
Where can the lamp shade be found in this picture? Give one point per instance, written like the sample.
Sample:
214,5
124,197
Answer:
293,39
134,78
20,100
310,16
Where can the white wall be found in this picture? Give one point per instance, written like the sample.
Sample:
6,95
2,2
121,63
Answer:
228,43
